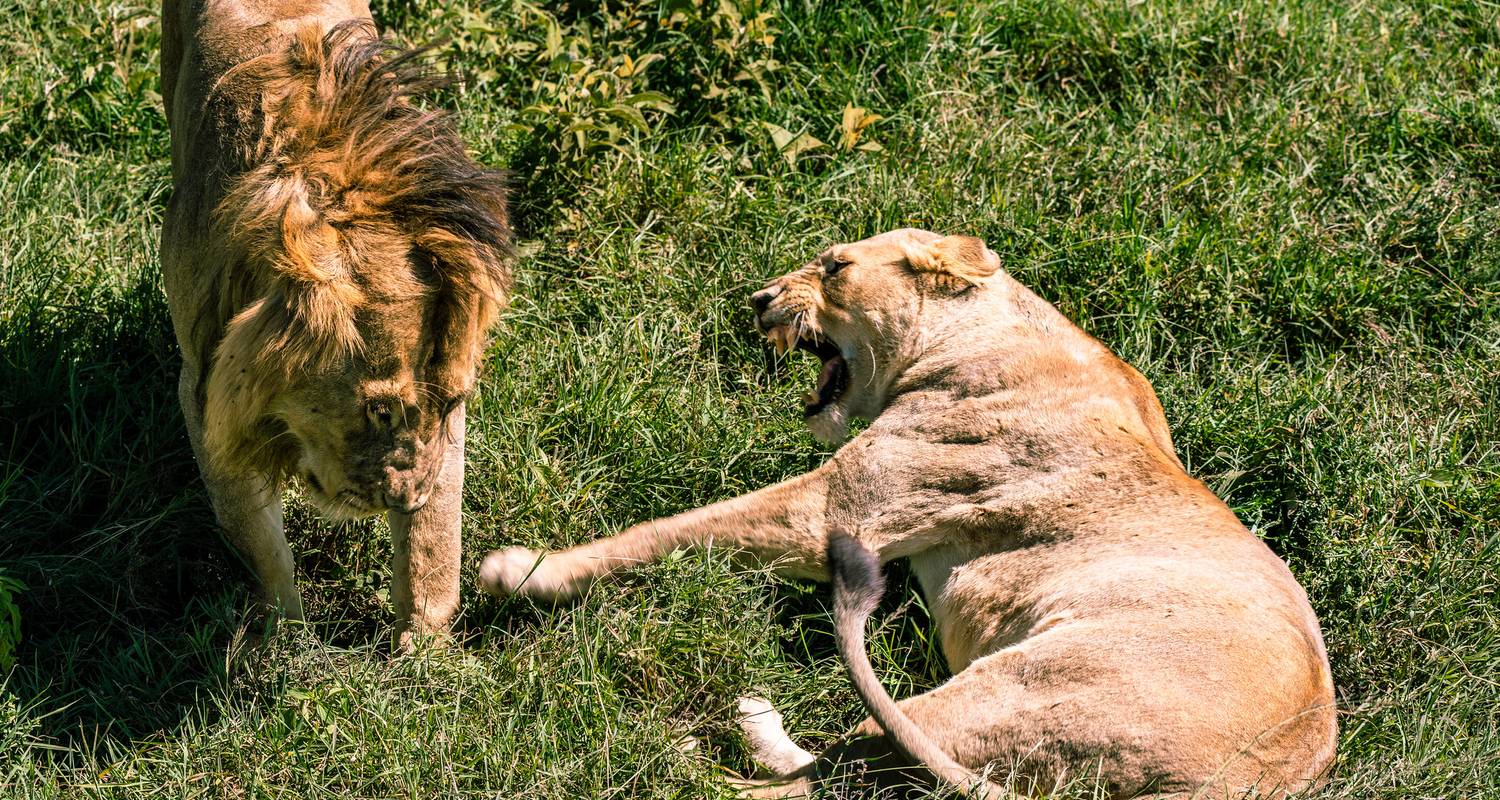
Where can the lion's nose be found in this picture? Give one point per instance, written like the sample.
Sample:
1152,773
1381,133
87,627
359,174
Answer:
406,503
403,491
761,300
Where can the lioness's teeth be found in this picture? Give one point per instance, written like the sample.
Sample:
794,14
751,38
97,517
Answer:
783,338
810,399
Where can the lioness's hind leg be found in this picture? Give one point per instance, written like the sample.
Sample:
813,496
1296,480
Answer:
863,760
979,717
770,745
760,789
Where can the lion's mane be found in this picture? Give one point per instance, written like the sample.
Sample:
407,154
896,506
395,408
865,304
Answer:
347,182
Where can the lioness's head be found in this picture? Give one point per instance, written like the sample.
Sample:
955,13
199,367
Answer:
867,309
368,259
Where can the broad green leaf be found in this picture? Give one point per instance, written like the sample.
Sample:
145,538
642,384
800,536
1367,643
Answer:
655,100
629,115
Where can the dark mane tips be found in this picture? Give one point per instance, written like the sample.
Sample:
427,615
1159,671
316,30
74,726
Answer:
408,160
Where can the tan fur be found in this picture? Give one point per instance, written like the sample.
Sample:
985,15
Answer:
333,261
1104,614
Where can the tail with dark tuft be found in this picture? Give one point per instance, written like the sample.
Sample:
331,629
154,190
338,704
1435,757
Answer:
857,581
857,588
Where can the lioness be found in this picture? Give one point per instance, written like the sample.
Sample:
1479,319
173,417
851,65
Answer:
1104,614
333,261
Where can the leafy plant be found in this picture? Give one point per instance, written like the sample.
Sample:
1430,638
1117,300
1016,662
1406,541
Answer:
792,146
729,49
589,99
102,93
852,129
600,77
851,135
16,732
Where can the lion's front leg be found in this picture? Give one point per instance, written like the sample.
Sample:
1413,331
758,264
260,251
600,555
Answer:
427,545
248,508
780,525
249,511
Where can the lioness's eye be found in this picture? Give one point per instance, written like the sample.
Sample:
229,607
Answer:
834,265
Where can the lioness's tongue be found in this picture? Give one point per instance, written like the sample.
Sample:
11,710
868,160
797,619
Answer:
824,394
830,368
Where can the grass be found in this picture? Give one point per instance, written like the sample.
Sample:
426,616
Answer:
1285,216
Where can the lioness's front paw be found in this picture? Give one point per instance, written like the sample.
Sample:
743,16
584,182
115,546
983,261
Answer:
512,571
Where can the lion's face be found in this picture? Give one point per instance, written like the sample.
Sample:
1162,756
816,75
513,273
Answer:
371,433
864,309
350,368
363,418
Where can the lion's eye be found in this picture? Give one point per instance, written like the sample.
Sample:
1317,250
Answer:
835,265
379,413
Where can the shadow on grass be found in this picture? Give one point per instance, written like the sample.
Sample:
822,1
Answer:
131,596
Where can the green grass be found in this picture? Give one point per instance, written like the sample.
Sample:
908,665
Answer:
1287,218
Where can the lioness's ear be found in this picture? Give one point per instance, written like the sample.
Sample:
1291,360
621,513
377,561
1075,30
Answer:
957,261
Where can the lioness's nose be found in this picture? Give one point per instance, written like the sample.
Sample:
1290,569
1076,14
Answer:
761,300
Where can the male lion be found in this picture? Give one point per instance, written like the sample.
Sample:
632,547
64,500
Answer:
1103,613
333,261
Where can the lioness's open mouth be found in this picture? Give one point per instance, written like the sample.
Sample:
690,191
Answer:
833,378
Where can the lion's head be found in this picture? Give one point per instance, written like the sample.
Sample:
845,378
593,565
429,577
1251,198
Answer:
869,310
369,260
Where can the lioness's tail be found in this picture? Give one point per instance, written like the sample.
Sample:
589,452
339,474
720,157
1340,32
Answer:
857,587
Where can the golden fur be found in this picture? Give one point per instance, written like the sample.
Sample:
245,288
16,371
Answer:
1104,614
333,261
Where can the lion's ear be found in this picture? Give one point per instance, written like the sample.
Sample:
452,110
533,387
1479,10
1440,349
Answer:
319,288
958,261
466,267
